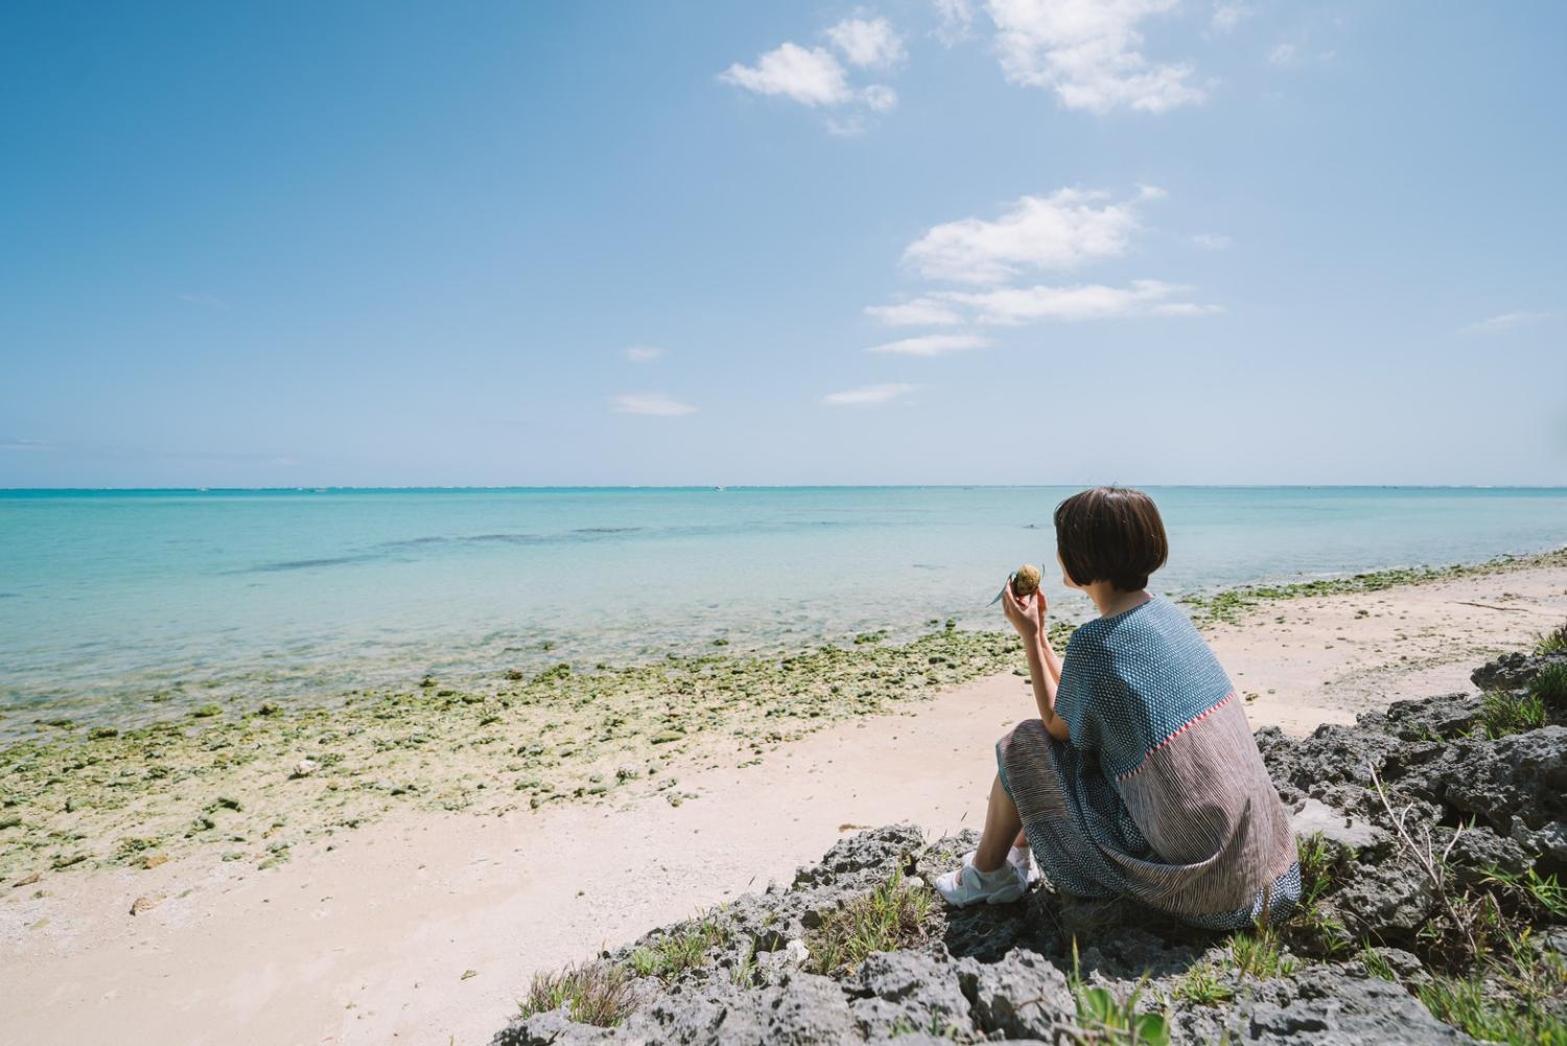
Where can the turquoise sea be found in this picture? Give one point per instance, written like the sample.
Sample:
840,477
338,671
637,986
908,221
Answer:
108,598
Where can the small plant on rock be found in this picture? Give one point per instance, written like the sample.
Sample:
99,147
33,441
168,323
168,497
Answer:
1552,642
1541,895
1102,1017
1258,954
674,954
1202,986
1377,965
1503,712
597,993
891,916
1311,927
1550,685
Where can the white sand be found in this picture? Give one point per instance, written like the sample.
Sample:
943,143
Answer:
369,942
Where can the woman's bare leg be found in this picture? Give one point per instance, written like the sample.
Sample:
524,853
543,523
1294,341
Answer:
1002,827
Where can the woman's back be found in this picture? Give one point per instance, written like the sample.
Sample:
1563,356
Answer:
1161,775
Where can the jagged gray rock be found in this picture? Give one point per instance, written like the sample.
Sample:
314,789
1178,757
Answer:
1005,972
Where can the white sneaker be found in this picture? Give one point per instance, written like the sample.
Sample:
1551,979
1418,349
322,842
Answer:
968,885
1019,857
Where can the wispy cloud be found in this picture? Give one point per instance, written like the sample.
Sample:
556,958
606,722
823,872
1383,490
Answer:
25,445
654,404
210,301
868,395
810,76
1504,322
931,345
643,353
815,77
1228,14
1212,241
1011,306
980,261
1293,56
1089,52
1061,231
919,312
955,19
868,42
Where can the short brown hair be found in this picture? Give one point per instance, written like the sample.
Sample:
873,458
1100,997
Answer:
1111,534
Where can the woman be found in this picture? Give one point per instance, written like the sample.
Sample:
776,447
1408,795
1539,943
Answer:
1140,778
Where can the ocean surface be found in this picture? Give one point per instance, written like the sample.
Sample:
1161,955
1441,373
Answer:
110,598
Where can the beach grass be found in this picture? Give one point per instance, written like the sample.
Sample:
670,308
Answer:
596,993
891,916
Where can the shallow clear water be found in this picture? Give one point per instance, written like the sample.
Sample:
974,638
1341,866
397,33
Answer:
108,597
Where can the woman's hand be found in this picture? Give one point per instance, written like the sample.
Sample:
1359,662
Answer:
1026,615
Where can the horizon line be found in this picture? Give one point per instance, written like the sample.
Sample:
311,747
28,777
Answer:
719,487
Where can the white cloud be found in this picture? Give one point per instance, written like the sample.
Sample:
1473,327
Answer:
846,126
920,312
809,76
1503,322
814,77
956,18
1089,53
867,395
879,97
1010,306
643,353
1060,231
1066,230
1212,241
1227,15
652,403
870,43
1284,56
931,345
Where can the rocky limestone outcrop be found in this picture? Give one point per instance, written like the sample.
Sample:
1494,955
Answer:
1018,972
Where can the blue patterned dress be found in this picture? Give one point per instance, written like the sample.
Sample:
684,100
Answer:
1160,794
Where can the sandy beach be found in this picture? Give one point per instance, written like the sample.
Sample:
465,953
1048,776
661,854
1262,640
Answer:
425,923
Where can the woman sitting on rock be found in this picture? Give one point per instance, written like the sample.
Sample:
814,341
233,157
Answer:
1140,779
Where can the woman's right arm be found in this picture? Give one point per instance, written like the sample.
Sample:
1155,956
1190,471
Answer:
1044,668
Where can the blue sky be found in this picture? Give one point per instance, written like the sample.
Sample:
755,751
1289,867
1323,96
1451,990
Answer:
1144,241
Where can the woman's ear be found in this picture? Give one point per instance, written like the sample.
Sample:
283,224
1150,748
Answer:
1066,577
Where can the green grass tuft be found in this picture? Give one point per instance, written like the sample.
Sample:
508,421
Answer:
1257,953
598,993
1539,894
1202,986
1552,642
1377,965
1550,686
1311,928
1503,712
1469,1003
891,916
683,950
1104,1017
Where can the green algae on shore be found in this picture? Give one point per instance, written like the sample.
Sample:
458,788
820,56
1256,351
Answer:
1231,604
256,782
